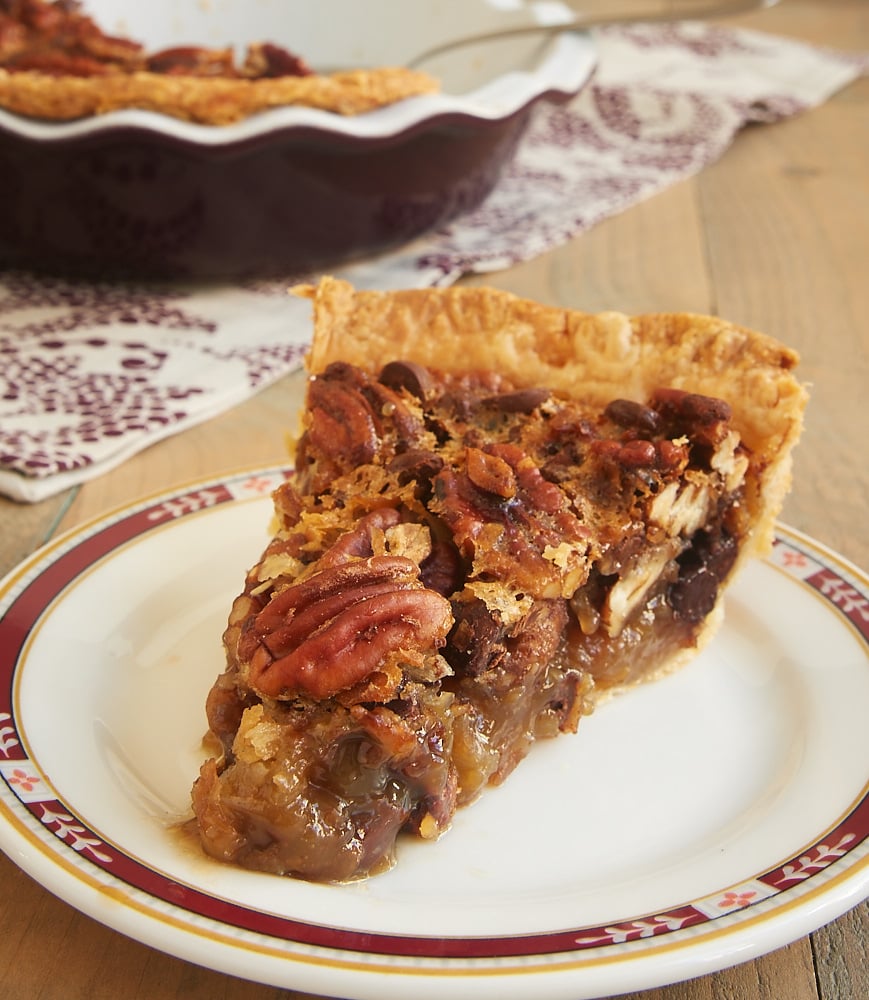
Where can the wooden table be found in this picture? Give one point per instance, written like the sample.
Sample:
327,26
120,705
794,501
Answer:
775,236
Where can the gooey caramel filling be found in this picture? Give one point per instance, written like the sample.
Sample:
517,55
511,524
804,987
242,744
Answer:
461,567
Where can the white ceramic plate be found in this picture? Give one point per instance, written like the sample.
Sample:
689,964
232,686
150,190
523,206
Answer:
691,824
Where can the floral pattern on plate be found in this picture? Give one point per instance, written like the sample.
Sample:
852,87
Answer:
832,865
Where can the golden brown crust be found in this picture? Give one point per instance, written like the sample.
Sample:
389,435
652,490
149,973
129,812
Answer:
206,100
466,561
595,357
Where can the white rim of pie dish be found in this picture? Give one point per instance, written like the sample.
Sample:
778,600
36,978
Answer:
561,73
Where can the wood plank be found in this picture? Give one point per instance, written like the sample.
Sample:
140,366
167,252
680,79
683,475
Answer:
787,215
50,951
610,266
841,956
785,974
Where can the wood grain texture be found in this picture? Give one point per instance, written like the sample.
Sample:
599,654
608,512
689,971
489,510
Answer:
775,235
841,957
801,226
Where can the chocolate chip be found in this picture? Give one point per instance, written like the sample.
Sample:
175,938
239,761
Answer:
691,411
702,567
478,642
407,375
628,413
416,464
519,401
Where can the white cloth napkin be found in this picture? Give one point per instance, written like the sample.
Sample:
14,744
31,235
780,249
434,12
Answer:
91,374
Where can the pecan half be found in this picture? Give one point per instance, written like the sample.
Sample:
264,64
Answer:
358,542
352,418
490,473
333,629
531,538
342,425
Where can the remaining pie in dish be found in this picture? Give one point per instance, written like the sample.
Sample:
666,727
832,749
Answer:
500,513
56,63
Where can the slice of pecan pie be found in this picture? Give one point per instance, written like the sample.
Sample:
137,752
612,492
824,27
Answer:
57,63
500,513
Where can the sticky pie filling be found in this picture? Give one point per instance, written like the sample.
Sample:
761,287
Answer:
460,565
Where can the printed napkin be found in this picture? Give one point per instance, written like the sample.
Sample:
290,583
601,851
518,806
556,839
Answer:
93,373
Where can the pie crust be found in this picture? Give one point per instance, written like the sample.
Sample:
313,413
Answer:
596,357
207,100
501,513
57,64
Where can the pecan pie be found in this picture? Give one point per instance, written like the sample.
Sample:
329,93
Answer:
56,63
500,513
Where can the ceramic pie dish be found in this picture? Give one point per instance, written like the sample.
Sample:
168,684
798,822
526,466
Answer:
139,193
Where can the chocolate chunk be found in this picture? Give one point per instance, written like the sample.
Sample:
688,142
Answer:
477,642
407,375
416,464
630,414
702,568
518,401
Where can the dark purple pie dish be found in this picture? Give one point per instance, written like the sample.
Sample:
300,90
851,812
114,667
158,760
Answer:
137,194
